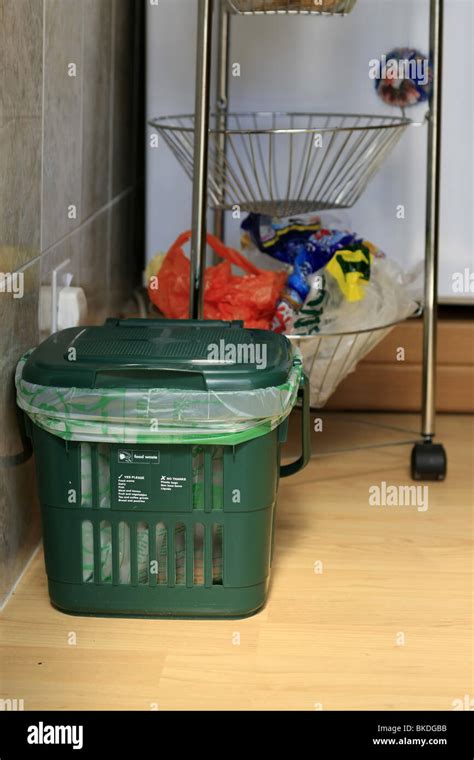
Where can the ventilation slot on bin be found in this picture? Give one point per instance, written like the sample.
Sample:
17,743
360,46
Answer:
198,574
87,538
86,474
208,478
218,478
180,554
103,475
124,553
208,555
143,553
198,477
162,554
95,475
217,554
105,552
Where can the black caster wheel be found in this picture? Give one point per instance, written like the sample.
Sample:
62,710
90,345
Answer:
428,461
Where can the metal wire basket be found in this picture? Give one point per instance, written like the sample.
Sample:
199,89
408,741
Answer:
329,357
291,7
282,164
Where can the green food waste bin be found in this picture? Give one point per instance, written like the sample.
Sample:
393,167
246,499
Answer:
157,447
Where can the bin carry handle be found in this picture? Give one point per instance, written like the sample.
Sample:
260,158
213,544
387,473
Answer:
107,377
294,467
144,322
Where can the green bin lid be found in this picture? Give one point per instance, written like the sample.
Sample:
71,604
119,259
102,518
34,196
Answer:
140,353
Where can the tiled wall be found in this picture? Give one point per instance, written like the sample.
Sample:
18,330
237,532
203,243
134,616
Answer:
71,187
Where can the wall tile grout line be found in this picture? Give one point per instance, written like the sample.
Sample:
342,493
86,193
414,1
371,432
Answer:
107,207
81,151
136,71
26,567
132,231
111,146
43,85
81,138
111,99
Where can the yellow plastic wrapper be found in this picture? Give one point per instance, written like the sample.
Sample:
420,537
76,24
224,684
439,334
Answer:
351,270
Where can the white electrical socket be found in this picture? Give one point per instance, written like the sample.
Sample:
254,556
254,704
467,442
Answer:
71,308
63,306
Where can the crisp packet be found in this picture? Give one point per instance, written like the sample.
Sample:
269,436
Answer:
302,243
299,241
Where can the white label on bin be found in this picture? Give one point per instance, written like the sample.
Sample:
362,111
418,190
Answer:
131,489
127,456
171,483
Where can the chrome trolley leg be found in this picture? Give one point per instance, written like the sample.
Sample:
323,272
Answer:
222,105
201,152
429,459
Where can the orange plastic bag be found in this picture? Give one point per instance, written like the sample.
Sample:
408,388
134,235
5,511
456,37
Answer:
251,298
